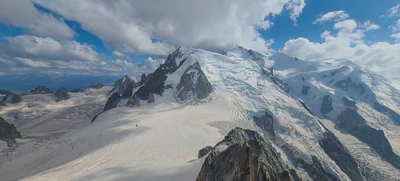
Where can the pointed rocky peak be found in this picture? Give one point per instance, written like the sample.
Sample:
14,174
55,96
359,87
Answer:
41,90
193,85
124,87
62,94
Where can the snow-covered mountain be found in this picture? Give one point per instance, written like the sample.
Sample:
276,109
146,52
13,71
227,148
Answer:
298,120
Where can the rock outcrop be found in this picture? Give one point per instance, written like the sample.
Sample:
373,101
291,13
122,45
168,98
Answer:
204,151
41,90
326,106
266,122
338,153
193,84
348,102
352,122
62,94
10,99
8,132
245,156
305,90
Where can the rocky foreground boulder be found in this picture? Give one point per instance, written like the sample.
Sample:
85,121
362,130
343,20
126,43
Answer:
245,156
41,90
62,94
8,132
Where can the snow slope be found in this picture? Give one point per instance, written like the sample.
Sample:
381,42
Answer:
153,142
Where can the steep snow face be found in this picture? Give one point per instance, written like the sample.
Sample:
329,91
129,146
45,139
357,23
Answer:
330,87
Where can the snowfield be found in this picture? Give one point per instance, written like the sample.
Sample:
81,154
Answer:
152,142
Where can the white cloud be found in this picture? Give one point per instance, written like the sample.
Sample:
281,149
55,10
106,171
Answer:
347,25
22,13
334,15
394,11
151,63
30,63
31,54
32,47
370,26
348,43
296,8
396,27
156,27
396,36
118,54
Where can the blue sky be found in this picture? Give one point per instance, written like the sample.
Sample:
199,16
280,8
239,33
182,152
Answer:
113,38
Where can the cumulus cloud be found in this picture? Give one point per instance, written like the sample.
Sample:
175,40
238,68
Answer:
348,43
334,15
31,54
22,13
156,27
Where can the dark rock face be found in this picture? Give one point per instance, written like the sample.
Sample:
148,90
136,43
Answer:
62,94
41,90
266,122
10,99
306,107
350,121
348,102
97,86
193,84
112,101
155,83
123,89
248,158
305,90
385,110
348,85
326,106
204,151
8,132
338,153
143,79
